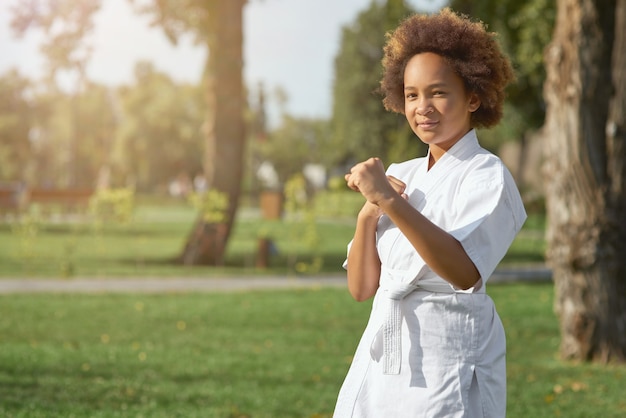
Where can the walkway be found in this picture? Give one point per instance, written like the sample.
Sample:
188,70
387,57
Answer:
173,285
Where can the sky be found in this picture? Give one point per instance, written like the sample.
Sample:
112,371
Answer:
289,44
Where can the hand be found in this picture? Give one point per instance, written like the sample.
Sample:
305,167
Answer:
370,180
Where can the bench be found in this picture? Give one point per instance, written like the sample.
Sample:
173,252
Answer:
12,198
68,200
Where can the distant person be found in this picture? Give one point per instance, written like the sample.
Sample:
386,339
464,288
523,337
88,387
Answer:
199,183
432,231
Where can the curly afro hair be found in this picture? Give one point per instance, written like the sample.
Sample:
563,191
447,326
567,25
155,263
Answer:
470,50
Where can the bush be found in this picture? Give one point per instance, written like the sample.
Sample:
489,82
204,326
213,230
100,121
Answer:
115,205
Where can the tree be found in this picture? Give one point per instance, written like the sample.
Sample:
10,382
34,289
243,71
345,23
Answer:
79,131
524,29
158,137
16,117
66,23
296,142
361,127
585,167
39,128
216,24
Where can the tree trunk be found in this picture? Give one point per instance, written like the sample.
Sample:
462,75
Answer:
225,130
585,136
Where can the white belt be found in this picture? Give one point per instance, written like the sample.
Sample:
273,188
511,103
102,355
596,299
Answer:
394,288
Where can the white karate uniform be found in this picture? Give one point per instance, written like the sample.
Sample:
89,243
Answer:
429,349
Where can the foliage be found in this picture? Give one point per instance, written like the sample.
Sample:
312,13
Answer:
66,24
211,205
295,143
524,29
178,18
302,223
146,133
25,232
241,354
112,205
80,130
51,138
337,201
161,135
17,114
361,127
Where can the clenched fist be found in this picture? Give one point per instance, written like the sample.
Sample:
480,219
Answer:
370,180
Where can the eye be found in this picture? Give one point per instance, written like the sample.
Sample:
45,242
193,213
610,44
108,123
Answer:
410,95
438,93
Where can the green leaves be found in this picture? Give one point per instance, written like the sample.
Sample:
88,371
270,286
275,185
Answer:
212,205
361,127
524,30
66,24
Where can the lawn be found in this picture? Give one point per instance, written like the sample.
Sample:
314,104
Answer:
148,245
255,354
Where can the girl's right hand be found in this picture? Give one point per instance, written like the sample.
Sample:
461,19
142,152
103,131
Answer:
370,210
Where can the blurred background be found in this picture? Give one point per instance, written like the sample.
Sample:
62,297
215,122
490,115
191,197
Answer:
109,107
174,139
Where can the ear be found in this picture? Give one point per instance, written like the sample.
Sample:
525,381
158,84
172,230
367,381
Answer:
474,102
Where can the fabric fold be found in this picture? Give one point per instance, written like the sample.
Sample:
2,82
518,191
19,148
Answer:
395,285
392,322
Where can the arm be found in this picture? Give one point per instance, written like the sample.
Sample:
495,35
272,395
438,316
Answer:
363,261
440,250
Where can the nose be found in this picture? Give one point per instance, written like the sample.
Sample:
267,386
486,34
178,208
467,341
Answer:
424,107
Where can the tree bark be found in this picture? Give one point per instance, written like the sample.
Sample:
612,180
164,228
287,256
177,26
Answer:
225,129
585,151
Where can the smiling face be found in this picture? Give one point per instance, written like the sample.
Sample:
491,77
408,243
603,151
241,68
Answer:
436,104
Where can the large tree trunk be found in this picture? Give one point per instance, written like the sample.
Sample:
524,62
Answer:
225,130
585,158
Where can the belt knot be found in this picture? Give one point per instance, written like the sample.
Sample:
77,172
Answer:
393,289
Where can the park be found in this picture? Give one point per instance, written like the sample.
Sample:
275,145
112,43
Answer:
167,250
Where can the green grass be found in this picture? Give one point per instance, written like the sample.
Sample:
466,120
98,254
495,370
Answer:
255,354
148,245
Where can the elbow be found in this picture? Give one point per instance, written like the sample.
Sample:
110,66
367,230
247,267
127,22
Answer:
466,278
362,285
361,295
468,284
360,298
465,287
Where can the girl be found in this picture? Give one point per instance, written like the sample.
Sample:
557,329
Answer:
432,231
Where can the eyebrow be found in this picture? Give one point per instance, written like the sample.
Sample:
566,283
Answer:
431,86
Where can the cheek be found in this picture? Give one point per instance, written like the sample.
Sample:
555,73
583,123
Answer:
408,109
408,113
453,108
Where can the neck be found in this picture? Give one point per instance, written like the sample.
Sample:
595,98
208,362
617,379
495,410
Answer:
434,155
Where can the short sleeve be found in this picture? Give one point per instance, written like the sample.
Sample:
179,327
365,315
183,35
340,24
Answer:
490,213
345,262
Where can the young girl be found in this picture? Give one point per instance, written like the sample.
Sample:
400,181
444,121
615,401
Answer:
432,231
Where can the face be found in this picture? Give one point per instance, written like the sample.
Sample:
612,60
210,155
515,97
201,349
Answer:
436,104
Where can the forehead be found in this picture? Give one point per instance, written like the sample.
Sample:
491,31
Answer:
428,67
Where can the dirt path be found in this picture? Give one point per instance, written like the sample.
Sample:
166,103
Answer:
163,285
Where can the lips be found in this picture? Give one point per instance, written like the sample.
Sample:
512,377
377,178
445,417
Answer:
427,124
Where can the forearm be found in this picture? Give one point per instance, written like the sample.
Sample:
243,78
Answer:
441,251
363,260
